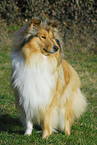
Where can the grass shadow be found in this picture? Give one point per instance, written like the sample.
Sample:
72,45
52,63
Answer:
10,124
13,125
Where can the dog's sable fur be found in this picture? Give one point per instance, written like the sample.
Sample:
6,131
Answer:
47,88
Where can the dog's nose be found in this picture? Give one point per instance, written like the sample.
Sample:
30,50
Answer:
55,48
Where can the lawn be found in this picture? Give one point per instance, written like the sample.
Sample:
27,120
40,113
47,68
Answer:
83,131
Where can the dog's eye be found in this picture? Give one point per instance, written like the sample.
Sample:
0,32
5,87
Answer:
43,37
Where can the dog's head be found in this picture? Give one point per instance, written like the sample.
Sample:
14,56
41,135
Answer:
41,37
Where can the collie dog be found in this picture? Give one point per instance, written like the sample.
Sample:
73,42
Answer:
47,88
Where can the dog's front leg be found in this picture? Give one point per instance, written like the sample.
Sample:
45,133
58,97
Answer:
46,125
28,127
47,128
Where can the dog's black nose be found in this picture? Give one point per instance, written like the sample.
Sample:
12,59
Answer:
55,48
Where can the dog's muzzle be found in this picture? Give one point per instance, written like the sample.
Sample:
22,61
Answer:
55,49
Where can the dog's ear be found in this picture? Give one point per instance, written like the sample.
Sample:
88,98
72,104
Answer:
35,22
53,24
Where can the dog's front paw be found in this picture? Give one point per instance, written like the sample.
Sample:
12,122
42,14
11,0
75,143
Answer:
28,127
28,132
45,134
67,131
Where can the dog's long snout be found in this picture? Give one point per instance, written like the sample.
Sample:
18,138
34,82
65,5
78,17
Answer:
55,48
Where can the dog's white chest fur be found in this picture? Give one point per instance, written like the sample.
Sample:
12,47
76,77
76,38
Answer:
35,84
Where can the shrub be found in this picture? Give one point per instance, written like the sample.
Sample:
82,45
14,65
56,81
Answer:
63,10
9,11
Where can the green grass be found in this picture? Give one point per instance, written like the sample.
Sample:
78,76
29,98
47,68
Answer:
83,131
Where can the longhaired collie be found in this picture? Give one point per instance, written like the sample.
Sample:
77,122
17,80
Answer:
47,88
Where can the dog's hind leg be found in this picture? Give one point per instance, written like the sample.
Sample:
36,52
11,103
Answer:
74,108
69,117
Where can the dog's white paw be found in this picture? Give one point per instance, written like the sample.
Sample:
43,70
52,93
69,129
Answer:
28,127
28,132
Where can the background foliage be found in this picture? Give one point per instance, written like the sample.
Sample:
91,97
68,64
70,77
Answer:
63,10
